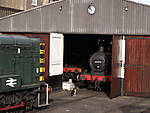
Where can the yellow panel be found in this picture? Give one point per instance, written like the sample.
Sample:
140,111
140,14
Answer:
42,60
42,44
41,78
42,51
42,69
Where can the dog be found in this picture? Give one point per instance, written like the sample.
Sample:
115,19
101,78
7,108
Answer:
74,92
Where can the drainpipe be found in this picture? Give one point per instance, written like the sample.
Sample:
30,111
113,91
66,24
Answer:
25,5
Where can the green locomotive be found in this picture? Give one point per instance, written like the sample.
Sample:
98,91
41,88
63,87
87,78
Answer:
20,86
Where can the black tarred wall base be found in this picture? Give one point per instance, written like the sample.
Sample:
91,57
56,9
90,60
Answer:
55,82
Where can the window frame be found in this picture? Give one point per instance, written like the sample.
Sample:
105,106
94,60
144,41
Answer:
34,3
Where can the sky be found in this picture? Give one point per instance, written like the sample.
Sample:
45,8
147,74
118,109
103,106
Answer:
148,1
142,1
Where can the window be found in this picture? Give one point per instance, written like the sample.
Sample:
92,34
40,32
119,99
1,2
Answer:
44,2
34,2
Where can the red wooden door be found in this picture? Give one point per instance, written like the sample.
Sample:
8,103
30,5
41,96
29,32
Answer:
137,68
45,37
116,67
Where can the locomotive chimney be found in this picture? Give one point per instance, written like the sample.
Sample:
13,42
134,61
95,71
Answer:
101,49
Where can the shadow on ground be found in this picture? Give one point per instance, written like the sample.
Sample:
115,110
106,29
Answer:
135,109
106,89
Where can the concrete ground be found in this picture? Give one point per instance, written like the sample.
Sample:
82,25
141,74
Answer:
89,101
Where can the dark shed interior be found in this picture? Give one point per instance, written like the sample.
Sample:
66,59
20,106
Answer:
79,48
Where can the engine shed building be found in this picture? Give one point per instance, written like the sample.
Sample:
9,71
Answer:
126,23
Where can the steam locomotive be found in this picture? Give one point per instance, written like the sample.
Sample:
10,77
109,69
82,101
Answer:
100,75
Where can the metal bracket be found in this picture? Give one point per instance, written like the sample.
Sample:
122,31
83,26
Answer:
46,99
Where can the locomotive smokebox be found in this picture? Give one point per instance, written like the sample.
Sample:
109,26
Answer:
98,61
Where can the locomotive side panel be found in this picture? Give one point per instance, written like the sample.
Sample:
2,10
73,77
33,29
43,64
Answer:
18,61
20,85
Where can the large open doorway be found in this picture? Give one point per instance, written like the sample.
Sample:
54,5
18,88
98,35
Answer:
92,54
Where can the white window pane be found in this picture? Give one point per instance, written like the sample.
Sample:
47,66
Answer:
34,2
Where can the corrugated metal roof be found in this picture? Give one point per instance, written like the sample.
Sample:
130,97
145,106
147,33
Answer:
110,18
